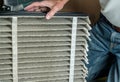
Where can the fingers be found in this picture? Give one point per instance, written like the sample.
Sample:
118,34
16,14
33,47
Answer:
39,9
40,6
34,5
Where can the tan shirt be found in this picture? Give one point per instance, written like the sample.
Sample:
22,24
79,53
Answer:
111,10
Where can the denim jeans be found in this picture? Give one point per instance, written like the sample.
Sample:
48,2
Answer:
104,39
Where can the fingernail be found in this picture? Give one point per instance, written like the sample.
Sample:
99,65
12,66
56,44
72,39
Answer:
48,17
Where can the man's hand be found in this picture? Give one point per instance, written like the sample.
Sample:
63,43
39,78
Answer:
54,5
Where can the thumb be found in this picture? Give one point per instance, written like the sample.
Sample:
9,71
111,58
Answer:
52,12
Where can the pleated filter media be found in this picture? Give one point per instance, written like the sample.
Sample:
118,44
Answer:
33,49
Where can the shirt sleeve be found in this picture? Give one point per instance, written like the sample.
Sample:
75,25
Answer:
111,10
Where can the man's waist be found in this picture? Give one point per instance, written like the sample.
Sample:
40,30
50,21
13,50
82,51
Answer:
116,28
105,20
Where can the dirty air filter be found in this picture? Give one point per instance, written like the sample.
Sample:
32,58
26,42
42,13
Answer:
33,49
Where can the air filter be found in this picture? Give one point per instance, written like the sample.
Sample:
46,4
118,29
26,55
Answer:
33,49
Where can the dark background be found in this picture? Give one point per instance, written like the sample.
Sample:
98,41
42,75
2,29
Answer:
91,7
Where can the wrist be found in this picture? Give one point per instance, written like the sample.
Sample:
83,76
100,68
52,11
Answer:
63,1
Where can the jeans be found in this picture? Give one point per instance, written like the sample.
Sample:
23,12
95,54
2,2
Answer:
104,39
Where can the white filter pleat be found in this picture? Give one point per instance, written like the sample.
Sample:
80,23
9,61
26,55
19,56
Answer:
6,50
